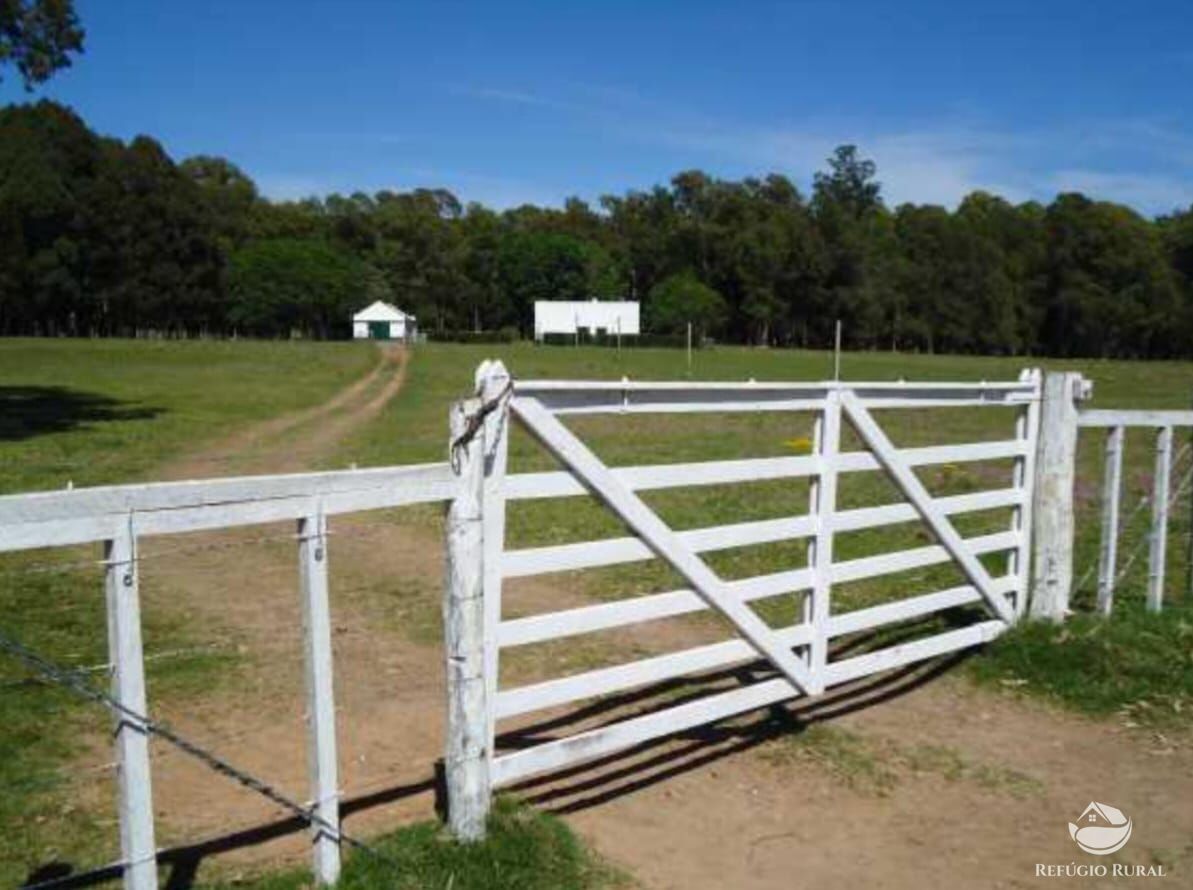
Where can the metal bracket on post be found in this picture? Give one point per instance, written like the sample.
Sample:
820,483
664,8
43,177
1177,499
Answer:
1056,465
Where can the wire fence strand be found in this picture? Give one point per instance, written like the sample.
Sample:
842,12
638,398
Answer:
78,685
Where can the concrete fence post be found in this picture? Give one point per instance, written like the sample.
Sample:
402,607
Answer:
466,759
1053,523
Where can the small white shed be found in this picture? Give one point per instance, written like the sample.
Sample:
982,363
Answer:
572,316
383,321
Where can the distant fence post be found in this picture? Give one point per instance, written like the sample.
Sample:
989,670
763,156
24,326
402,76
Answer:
1052,519
127,660
466,760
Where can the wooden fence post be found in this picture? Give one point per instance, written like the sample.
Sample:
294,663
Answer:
321,714
1111,492
127,661
1158,543
1052,519
466,760
492,386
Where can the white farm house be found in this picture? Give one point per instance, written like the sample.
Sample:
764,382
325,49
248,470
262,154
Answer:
572,316
383,321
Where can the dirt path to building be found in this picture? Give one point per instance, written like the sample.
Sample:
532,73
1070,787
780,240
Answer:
911,780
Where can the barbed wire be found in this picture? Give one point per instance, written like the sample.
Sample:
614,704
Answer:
80,687
1146,539
1144,501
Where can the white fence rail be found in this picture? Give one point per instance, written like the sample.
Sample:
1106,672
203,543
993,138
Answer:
799,652
120,516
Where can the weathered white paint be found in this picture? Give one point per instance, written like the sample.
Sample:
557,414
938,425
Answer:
936,519
595,396
615,551
1052,574
151,497
1027,428
526,486
630,509
322,766
77,516
1124,417
1158,543
613,317
510,768
622,677
492,381
127,658
467,755
1111,491
605,616
821,564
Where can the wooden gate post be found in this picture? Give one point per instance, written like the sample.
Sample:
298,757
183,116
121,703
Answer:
128,687
466,760
1052,520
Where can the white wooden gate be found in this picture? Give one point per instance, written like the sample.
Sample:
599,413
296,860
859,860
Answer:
800,653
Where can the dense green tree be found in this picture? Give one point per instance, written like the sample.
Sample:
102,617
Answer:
540,266
1110,290
229,194
285,286
38,37
683,299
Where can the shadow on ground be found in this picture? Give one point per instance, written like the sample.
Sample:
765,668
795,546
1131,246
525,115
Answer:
30,411
595,782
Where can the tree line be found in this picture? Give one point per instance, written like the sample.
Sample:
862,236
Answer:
100,237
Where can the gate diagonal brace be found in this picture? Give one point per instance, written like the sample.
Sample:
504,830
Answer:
886,453
589,469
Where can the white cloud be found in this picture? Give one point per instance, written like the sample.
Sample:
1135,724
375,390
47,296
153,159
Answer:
937,165
511,97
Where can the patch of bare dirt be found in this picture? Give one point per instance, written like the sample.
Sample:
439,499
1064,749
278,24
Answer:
712,810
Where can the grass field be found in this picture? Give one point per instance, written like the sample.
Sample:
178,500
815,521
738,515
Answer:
90,412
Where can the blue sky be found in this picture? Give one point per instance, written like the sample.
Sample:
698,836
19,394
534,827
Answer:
512,102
